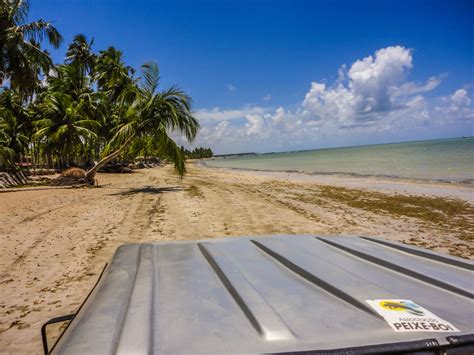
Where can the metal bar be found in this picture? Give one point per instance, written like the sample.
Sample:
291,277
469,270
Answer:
52,321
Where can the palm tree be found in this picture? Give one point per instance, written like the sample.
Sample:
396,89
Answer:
14,123
6,153
111,73
14,139
80,52
153,114
69,111
65,125
116,85
80,57
68,79
21,57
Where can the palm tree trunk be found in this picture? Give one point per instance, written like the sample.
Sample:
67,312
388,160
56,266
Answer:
90,174
33,156
49,159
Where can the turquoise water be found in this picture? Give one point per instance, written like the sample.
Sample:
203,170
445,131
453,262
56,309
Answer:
445,160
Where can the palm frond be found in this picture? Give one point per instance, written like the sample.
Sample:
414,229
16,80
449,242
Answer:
123,133
151,77
18,9
38,30
85,132
168,149
178,115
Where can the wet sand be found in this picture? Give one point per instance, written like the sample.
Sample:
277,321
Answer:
56,242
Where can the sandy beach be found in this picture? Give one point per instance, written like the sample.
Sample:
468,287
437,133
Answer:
56,242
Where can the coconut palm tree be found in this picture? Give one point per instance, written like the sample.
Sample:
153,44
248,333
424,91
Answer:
20,55
116,85
15,122
80,52
111,73
153,114
79,56
16,141
65,125
68,79
6,153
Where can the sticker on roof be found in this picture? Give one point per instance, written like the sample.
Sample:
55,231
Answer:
407,316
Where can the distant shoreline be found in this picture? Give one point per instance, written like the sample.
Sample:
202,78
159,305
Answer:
233,155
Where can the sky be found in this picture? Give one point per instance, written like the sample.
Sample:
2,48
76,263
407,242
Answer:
274,75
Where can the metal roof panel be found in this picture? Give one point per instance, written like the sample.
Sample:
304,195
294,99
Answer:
265,294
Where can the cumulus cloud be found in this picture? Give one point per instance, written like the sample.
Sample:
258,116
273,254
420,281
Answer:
374,82
455,107
372,79
231,87
460,98
370,96
267,97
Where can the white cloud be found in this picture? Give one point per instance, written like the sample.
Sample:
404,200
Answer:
231,87
455,107
412,88
216,114
267,97
374,83
372,79
460,98
341,73
372,98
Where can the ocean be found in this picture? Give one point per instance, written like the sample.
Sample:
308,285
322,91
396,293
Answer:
450,160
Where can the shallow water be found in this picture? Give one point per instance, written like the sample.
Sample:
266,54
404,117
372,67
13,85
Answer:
438,160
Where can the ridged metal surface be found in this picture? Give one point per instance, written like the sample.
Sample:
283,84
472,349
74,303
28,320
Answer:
265,294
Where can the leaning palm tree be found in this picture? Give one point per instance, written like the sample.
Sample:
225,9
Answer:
20,54
155,115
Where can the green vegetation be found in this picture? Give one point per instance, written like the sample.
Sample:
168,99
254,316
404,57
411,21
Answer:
90,108
197,153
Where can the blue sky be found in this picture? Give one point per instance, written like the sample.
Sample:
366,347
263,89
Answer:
255,68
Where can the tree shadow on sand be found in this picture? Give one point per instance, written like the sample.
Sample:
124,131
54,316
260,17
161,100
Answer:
148,190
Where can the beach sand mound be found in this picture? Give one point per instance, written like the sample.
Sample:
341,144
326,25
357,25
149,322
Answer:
72,176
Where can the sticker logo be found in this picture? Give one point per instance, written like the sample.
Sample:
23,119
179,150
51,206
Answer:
407,306
407,316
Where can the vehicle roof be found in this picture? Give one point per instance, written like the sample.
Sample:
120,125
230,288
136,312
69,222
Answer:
266,294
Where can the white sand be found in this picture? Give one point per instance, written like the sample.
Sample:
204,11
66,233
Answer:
56,242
